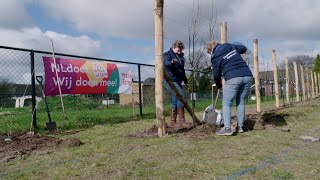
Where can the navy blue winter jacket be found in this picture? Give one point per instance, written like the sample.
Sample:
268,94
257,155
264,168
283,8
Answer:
175,71
227,62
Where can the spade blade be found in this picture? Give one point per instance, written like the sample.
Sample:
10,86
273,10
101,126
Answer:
52,127
212,117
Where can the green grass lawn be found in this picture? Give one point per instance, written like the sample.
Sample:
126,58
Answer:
108,153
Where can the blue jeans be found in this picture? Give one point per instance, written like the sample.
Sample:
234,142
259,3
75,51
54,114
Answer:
175,103
236,88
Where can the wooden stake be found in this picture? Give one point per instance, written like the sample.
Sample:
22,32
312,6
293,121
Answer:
159,90
275,76
312,84
296,76
303,83
181,99
223,33
256,74
316,83
224,30
287,81
318,76
59,85
308,83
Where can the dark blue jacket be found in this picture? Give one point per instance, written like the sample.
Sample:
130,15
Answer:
227,62
175,71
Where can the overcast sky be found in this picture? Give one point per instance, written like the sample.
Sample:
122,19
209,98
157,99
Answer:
123,29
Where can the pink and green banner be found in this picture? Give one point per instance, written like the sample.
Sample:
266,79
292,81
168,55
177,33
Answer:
86,77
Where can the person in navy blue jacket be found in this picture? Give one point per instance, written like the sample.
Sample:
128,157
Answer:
174,67
227,63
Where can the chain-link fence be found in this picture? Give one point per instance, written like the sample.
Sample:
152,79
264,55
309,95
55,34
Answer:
22,105
21,96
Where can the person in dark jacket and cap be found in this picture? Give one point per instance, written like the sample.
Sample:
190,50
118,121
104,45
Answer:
174,67
228,63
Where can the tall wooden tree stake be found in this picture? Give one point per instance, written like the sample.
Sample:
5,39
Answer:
316,83
275,75
303,83
159,91
287,81
312,84
318,76
308,82
256,74
296,77
223,38
224,30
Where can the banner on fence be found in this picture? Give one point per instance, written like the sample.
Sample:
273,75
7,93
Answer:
86,77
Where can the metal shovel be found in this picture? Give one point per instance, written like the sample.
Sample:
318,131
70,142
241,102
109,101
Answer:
211,115
51,126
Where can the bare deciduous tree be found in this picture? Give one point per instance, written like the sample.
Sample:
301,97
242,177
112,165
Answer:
305,60
212,23
198,58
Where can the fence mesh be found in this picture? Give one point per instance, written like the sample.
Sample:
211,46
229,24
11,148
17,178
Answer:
91,109
82,110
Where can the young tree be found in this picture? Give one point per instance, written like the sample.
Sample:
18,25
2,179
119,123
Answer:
190,83
198,58
204,84
248,56
212,22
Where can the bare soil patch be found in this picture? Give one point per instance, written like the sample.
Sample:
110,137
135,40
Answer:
23,144
202,131
252,122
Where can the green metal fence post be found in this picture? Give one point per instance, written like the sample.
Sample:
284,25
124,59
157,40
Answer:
140,90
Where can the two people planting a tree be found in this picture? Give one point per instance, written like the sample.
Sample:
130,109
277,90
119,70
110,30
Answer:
227,63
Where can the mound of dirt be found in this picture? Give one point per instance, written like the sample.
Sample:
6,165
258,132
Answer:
264,121
202,131
152,132
275,119
22,145
252,122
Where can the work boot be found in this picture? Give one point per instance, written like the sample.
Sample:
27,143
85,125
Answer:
182,120
173,121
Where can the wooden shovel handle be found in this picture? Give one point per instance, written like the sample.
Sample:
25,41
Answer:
181,99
